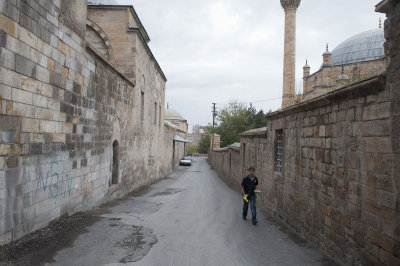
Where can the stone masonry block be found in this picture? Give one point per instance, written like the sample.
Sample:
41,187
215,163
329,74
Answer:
63,48
47,126
37,138
25,66
7,137
42,113
59,138
3,39
12,162
27,37
3,6
7,59
376,111
5,92
376,144
46,90
8,25
381,240
18,47
58,56
42,74
43,60
44,48
40,101
68,128
20,109
10,122
54,41
371,128
21,96
30,125
322,131
52,19
5,149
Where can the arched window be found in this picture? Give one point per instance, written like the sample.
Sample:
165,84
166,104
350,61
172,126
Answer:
115,163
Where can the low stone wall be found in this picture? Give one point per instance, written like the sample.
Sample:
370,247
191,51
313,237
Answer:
227,163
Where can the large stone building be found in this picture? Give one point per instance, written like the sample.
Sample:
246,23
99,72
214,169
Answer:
329,166
356,58
82,102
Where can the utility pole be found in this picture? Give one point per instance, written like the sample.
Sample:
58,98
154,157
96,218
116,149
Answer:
212,137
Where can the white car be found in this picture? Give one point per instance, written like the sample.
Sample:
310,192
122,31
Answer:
185,161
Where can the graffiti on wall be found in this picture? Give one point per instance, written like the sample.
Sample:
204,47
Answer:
56,184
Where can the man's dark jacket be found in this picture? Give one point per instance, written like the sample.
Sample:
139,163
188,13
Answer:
249,185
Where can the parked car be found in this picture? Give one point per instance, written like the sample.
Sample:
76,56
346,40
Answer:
185,161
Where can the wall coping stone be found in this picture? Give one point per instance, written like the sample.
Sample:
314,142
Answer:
255,132
364,87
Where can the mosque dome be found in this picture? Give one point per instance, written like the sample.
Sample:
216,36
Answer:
102,2
171,114
362,47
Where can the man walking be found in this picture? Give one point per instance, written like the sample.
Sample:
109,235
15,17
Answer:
248,186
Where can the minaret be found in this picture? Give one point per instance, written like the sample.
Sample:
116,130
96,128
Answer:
289,68
306,73
306,70
327,57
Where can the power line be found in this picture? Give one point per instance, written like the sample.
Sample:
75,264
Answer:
260,101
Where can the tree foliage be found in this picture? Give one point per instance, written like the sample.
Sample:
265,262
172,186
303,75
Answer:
191,148
235,119
204,144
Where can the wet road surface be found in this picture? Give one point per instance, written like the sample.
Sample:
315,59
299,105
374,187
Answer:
190,218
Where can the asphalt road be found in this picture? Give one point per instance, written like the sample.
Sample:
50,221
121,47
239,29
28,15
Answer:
190,218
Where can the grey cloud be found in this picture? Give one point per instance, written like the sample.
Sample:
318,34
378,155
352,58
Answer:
206,63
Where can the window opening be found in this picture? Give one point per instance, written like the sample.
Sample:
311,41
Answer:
279,150
159,116
141,107
155,113
115,163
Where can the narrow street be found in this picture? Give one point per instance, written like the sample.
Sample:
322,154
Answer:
190,218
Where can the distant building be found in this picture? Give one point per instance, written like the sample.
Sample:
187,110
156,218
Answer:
177,119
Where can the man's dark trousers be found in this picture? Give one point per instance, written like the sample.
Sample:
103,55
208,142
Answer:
252,201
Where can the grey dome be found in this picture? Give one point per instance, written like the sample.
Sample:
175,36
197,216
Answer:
362,47
171,114
102,2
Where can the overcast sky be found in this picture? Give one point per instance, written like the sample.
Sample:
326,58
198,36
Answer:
225,50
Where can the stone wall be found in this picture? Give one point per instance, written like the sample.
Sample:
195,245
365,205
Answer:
71,133
325,79
227,163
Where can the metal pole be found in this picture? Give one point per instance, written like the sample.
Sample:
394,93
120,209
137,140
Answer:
212,137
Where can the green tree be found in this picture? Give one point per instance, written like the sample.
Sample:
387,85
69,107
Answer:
191,148
232,120
256,119
235,119
259,119
204,144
